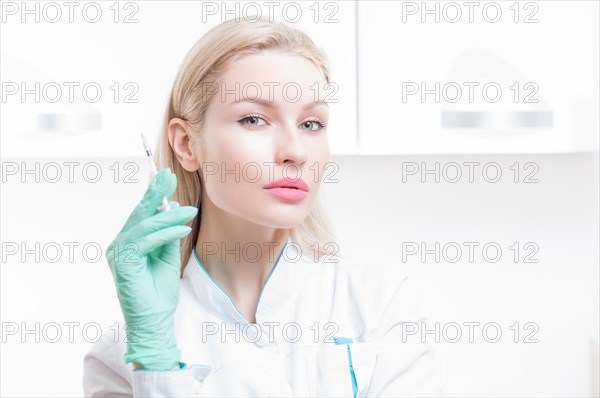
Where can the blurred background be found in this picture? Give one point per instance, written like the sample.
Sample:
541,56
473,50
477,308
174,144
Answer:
454,126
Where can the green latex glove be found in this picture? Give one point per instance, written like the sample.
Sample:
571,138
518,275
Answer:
145,260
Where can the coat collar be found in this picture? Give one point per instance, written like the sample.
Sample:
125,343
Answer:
279,286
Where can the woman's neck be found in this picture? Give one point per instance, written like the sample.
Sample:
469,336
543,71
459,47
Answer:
238,255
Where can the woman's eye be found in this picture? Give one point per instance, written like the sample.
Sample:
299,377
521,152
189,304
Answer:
253,121
313,125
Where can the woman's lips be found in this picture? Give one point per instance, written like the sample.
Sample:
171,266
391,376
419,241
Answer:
288,183
291,194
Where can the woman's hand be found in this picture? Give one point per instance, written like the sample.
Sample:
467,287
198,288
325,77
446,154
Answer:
145,260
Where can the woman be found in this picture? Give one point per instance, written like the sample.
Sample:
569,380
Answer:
248,300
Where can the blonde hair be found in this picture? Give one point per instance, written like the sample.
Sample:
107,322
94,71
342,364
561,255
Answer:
205,63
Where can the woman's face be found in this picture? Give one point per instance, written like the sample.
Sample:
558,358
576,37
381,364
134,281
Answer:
247,144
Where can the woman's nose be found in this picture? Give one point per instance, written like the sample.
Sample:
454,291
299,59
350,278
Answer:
290,146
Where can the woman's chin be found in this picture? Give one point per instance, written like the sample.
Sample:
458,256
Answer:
283,220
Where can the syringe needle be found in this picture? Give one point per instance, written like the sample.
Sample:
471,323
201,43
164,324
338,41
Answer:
165,202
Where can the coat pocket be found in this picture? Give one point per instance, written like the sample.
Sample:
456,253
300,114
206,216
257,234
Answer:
342,368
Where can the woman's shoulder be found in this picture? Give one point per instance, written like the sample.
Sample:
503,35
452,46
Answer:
381,280
369,300
372,288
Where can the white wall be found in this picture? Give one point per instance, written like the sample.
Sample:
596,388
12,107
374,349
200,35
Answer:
373,212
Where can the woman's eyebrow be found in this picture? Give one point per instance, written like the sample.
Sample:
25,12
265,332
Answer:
269,104
313,104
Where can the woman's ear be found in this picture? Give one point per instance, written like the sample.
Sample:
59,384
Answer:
180,140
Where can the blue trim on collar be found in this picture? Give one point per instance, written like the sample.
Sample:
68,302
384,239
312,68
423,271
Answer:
230,299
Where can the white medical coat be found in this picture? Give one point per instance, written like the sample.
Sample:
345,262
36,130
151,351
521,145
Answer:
322,329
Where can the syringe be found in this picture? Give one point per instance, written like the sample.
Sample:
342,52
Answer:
165,202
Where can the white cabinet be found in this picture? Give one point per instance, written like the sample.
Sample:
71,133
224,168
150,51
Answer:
408,77
121,68
478,77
